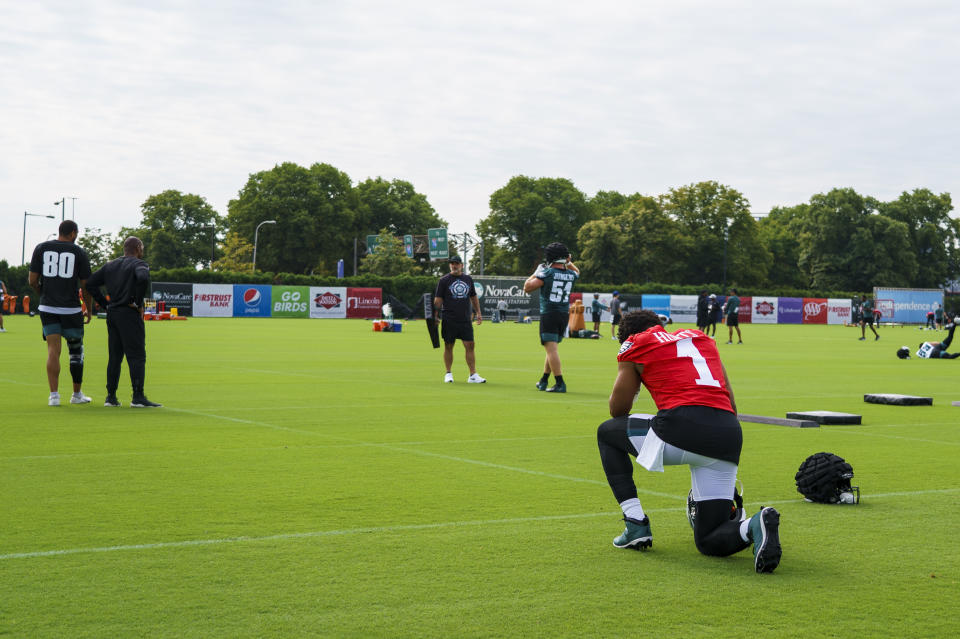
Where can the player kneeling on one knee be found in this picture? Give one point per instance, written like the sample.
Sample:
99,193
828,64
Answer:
696,425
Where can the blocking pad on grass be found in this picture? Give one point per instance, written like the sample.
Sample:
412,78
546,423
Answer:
826,417
779,421
898,400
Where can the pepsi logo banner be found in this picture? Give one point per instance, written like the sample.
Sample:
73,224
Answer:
213,300
814,310
251,300
328,302
364,303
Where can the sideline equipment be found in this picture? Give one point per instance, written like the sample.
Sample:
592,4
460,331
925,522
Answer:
824,478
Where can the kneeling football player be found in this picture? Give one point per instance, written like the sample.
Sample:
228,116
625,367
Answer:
696,425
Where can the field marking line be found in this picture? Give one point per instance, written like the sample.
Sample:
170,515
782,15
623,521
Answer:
267,448
400,528
16,381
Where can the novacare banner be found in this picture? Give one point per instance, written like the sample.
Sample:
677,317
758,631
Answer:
290,301
491,290
213,300
328,302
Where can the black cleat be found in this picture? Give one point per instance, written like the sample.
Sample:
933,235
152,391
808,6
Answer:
112,400
141,401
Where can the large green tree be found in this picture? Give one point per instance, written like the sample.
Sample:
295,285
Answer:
641,244
934,235
393,205
314,213
177,229
781,233
527,214
717,220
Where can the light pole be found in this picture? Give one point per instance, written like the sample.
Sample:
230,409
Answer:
62,203
213,239
255,234
23,252
726,239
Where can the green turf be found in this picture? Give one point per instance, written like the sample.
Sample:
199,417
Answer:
314,478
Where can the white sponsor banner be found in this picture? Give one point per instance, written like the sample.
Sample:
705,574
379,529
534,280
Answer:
839,311
328,302
763,310
683,308
213,300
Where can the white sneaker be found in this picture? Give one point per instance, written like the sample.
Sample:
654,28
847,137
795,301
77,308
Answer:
54,399
448,378
79,398
476,379
3,330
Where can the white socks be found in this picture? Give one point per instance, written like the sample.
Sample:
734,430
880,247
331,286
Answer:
744,527
632,509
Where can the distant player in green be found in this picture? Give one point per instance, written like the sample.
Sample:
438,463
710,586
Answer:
555,280
732,310
866,318
596,309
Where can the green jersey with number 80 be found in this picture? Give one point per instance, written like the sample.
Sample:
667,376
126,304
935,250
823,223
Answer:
555,293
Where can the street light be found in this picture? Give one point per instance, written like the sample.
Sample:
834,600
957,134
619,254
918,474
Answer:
255,233
23,251
62,203
726,240
213,239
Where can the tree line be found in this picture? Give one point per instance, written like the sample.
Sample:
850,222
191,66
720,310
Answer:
694,234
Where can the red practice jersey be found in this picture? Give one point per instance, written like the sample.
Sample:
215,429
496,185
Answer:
681,368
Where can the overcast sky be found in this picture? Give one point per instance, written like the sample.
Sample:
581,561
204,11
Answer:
110,102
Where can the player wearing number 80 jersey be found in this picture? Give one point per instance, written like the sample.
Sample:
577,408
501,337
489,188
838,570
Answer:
695,425
58,270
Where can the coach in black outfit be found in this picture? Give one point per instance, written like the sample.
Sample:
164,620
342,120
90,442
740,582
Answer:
126,279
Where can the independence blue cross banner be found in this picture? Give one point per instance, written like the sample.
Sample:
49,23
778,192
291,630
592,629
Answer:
906,305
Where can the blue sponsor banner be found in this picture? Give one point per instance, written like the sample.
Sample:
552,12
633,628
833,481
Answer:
657,303
906,305
790,310
251,300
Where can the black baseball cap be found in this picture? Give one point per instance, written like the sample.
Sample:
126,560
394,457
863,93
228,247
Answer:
455,259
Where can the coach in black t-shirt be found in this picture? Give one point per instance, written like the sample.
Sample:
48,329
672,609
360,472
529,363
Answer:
454,299
126,279
58,270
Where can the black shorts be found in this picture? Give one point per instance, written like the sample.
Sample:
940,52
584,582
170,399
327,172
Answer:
712,432
733,319
553,326
614,320
70,326
867,320
452,330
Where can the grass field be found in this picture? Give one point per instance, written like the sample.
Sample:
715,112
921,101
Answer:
313,478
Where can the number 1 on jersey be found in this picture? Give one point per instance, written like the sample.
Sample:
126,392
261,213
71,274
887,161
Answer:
685,348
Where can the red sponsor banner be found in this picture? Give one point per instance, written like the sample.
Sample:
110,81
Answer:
745,312
364,303
814,310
